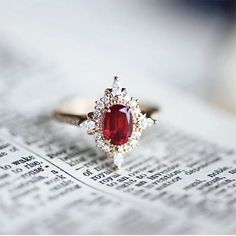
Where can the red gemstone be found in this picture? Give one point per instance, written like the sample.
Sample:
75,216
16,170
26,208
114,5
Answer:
118,124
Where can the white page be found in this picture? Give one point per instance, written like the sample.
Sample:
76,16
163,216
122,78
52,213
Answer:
181,178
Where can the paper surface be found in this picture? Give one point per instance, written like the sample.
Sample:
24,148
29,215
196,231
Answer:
181,178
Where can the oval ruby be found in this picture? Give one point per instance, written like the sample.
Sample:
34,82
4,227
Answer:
118,124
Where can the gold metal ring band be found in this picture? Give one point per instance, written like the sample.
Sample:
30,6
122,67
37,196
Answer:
79,109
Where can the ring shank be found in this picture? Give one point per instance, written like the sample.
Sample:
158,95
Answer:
76,111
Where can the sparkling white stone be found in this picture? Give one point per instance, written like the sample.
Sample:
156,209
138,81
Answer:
134,142
100,143
136,135
116,87
150,122
105,100
133,103
100,105
143,122
106,148
118,160
89,125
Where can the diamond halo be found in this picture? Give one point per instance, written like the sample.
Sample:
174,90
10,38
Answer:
95,122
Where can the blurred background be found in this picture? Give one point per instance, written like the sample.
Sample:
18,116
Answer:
189,45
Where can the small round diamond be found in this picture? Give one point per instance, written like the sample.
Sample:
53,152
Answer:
133,103
136,135
136,111
134,142
97,136
127,147
100,105
100,143
105,100
96,114
126,98
106,148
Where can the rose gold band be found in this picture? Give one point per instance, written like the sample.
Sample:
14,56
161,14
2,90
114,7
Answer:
77,110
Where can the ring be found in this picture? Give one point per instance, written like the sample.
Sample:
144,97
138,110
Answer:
116,123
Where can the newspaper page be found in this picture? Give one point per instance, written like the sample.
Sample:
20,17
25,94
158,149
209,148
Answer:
53,180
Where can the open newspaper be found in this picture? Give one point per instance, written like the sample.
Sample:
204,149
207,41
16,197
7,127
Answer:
53,180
